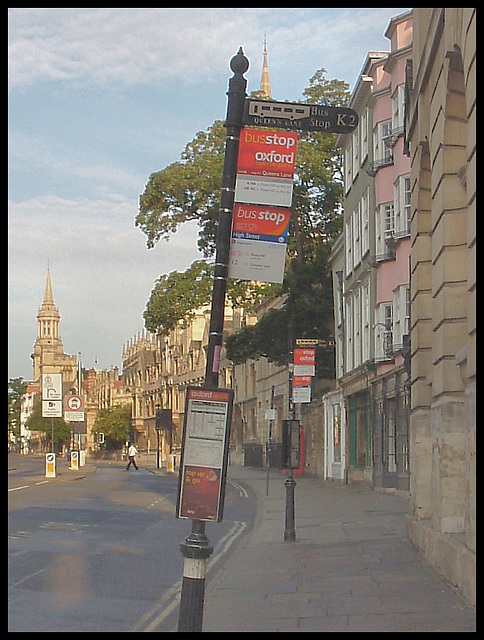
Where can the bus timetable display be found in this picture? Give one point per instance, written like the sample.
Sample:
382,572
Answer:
203,467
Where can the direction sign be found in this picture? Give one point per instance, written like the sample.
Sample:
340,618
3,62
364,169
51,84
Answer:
306,117
52,386
307,342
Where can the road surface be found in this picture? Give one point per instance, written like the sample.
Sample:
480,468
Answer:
98,550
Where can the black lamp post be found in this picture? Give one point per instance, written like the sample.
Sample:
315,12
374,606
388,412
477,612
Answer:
158,427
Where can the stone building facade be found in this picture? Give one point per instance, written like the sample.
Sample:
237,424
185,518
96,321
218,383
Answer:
157,370
48,355
441,139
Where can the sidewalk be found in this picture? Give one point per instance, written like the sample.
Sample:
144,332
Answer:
351,567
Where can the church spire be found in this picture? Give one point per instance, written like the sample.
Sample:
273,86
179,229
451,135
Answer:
265,83
48,316
48,355
48,295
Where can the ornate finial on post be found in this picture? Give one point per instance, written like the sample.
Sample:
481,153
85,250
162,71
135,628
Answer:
236,93
239,63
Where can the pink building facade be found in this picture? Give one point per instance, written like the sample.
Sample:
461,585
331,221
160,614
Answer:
371,274
390,385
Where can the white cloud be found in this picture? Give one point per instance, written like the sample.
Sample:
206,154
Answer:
130,46
139,46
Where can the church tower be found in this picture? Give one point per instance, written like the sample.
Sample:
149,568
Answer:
265,83
48,355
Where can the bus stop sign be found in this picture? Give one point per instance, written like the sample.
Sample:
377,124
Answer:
305,117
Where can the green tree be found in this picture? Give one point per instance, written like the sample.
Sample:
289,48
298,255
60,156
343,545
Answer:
115,423
190,190
62,430
186,190
176,296
16,389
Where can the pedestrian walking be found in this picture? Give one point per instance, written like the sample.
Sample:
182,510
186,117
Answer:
132,452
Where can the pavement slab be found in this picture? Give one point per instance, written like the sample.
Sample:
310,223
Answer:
351,567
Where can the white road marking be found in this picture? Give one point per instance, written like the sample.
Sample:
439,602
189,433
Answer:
242,492
170,598
15,584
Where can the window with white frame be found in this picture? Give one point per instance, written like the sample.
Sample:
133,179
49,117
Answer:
365,223
389,213
384,331
365,322
356,153
401,315
357,235
349,245
403,196
357,328
398,109
383,153
349,333
348,168
363,127
384,229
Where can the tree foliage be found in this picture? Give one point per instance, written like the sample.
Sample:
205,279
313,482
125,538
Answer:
115,423
190,190
176,296
186,190
307,312
16,389
35,422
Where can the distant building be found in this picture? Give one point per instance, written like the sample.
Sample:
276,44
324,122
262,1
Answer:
265,83
26,408
157,370
48,355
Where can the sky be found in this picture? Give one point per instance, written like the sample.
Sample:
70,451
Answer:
99,99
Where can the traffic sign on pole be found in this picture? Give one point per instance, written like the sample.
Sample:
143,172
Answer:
306,117
74,408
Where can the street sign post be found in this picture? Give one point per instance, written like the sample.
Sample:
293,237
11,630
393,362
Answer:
196,548
305,117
